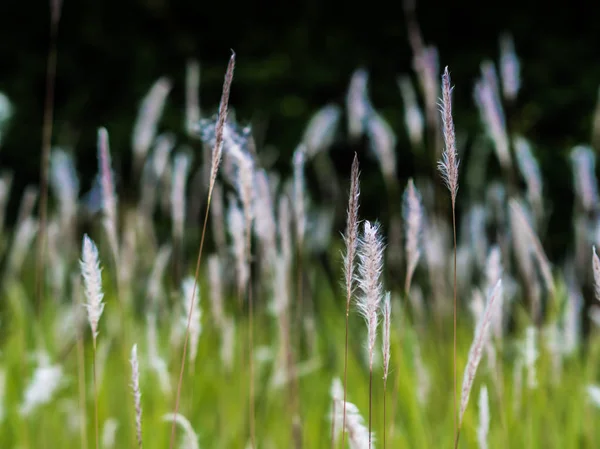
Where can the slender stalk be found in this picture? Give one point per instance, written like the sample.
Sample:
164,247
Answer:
370,402
351,239
384,420
216,157
55,6
95,397
456,430
81,378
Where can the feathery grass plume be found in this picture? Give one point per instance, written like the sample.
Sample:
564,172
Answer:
530,354
150,111
220,126
359,437
413,117
109,433
192,93
493,272
21,244
190,439
92,280
181,169
337,396
571,319
479,342
236,227
153,173
27,205
216,159
351,243
244,186
484,418
387,320
382,142
156,362
320,130
510,68
299,194
596,269
534,243
583,159
137,394
448,167
45,382
215,274
358,103
427,66
530,172
155,290
487,98
109,197
476,234
284,219
412,212
217,216
265,226
65,184
370,268
191,301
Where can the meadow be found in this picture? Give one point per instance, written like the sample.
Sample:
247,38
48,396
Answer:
226,305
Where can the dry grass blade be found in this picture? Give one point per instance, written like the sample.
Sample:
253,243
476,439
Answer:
476,351
216,158
351,241
596,268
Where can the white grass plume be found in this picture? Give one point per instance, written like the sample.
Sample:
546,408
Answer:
484,418
137,394
44,384
190,439
109,433
448,166
583,159
370,268
479,343
92,280
412,212
299,193
149,114
192,89
596,269
181,168
387,321
358,434
236,227
510,68
321,129
413,117
534,243
191,297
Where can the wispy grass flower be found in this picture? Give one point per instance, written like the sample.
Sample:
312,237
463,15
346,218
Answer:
137,394
370,268
92,280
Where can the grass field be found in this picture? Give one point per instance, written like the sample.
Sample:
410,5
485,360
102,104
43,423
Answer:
264,328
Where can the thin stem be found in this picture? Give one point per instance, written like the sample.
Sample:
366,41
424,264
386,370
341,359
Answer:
348,297
251,366
370,400
95,397
384,421
81,385
456,428
187,333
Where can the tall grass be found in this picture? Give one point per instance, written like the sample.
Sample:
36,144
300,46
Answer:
520,337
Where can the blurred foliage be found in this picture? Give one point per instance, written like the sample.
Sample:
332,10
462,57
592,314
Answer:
292,59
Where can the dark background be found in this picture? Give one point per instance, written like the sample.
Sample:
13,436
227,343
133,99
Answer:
292,58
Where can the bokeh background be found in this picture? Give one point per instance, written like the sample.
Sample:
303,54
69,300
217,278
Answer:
292,58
